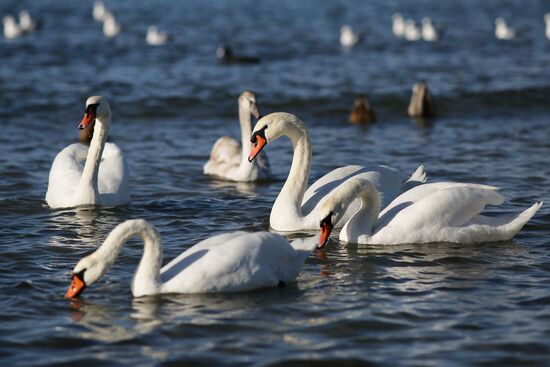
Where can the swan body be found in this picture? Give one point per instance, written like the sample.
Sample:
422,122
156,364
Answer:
348,38
398,25
411,31
94,175
502,31
429,33
111,28
295,208
11,28
26,23
99,10
229,159
434,212
230,262
155,37
547,21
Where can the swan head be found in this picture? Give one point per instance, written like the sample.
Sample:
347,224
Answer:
97,107
247,100
86,272
346,29
426,20
269,128
397,17
499,20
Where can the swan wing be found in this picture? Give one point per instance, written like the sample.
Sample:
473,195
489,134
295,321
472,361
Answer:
225,156
65,175
233,262
113,176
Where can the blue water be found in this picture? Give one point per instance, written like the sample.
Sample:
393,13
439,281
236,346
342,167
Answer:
413,305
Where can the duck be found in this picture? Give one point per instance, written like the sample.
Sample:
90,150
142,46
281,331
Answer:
398,25
111,28
229,159
433,212
362,112
429,33
155,37
11,28
502,31
547,21
98,11
348,38
94,175
295,208
422,104
226,56
225,263
411,32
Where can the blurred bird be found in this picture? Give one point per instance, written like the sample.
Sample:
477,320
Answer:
422,104
412,33
502,31
348,38
99,11
547,21
362,112
398,25
155,37
429,33
11,29
110,26
226,56
26,24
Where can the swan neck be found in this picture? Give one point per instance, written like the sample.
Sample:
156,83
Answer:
363,222
88,190
246,131
146,279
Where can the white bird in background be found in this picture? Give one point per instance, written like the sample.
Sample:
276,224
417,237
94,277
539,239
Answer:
348,38
26,24
110,26
547,21
502,31
412,33
99,11
11,29
398,26
155,37
429,33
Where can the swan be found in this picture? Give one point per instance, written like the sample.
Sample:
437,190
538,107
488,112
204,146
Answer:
348,38
103,179
411,32
398,25
429,33
362,112
422,104
502,31
228,160
229,262
110,26
11,28
155,37
26,23
433,212
547,21
99,10
297,209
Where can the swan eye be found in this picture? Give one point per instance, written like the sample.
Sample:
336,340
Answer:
260,133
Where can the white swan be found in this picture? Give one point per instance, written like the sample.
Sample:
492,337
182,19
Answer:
99,11
502,31
103,179
411,31
11,28
111,28
435,212
547,21
230,262
229,160
26,23
429,33
155,37
295,208
348,38
398,25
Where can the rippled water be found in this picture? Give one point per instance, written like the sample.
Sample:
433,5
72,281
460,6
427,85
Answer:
421,305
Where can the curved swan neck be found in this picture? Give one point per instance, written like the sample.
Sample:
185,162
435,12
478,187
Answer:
289,200
88,191
246,132
363,222
147,276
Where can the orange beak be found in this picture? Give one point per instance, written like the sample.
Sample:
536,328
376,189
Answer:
88,118
257,147
326,228
76,287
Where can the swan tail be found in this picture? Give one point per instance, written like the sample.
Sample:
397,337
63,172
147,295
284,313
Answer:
419,175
